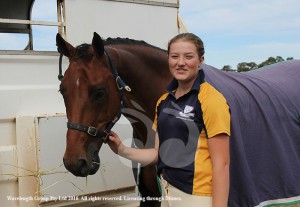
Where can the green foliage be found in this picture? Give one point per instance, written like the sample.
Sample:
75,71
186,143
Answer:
243,67
248,66
271,60
227,68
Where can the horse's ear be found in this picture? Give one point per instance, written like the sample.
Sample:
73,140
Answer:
98,45
63,46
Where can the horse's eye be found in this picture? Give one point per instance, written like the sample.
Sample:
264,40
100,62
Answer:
98,94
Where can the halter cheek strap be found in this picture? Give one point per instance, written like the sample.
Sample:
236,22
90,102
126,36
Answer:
120,83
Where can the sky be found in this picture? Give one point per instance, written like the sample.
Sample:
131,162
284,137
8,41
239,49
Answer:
233,31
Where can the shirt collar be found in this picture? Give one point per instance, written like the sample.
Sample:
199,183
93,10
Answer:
196,85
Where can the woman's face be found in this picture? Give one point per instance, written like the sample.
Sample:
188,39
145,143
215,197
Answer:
184,61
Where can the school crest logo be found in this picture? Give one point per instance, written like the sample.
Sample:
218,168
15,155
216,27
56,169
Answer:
188,109
187,112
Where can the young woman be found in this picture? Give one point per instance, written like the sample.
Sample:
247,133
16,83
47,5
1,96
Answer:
192,133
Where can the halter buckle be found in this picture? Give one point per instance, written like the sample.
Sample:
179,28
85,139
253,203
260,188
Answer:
104,138
92,131
121,84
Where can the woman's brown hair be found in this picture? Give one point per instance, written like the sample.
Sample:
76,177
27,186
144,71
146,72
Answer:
189,37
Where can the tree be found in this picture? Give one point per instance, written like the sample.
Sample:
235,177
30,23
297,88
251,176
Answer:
244,66
227,68
279,59
271,60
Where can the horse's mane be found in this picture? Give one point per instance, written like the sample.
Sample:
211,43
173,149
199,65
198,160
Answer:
128,41
82,50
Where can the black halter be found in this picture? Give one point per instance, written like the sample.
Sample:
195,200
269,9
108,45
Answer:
93,131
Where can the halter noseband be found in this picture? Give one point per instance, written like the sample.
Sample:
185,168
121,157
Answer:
93,131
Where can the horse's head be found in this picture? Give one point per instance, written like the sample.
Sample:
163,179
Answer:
92,102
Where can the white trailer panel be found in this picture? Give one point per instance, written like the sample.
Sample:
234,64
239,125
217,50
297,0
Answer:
151,23
32,112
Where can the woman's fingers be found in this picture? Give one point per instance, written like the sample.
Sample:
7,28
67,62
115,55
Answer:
113,137
114,142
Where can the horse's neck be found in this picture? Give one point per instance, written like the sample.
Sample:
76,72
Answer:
146,72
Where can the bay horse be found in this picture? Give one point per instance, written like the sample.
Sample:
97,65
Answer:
95,94
126,76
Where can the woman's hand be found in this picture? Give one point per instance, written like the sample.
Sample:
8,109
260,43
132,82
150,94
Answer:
115,143
144,156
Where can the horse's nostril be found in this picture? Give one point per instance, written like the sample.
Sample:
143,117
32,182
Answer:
81,163
65,163
78,168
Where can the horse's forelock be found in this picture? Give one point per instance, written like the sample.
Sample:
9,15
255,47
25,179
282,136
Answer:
82,51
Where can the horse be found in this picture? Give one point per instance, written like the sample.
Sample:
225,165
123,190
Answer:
123,76
95,95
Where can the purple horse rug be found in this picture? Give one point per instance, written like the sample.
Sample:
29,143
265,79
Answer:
265,133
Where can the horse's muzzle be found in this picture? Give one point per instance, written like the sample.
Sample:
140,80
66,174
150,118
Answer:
82,167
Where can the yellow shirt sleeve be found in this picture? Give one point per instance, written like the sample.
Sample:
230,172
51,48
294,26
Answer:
163,97
216,113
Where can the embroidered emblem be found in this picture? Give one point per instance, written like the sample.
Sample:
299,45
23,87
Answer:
187,112
188,109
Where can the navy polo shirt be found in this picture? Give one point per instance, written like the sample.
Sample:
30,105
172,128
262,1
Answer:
183,126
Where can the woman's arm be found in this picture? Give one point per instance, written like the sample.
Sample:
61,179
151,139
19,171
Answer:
143,156
219,153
